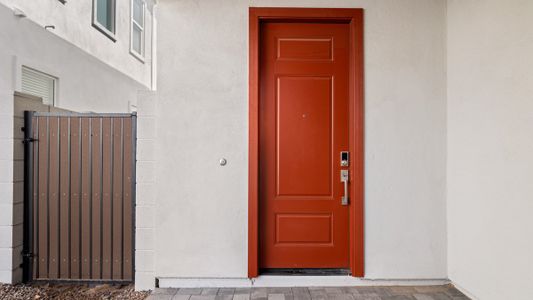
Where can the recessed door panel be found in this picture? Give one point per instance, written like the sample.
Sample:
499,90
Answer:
304,139
305,48
303,229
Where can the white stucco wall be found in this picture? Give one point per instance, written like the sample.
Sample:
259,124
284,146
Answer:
201,207
84,84
490,147
73,22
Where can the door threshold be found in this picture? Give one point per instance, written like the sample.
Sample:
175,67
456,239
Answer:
305,272
338,280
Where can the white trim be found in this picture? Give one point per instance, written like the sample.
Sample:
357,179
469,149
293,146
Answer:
139,56
292,281
153,48
110,34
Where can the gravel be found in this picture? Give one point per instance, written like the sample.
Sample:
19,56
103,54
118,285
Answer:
69,291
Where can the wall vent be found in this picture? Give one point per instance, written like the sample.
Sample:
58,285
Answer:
39,84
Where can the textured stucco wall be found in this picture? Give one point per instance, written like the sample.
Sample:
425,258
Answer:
201,207
73,22
490,147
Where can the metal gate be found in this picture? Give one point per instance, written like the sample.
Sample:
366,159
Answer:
79,196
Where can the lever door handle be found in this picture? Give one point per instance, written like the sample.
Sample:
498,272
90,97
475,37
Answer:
344,179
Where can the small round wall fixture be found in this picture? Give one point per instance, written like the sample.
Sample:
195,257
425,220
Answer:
223,161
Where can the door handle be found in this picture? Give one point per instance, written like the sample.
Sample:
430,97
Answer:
344,179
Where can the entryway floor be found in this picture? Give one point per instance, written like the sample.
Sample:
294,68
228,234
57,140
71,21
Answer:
438,292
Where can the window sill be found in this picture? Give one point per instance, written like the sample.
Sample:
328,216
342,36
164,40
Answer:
137,56
106,32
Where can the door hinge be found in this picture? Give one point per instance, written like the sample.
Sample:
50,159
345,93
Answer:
29,140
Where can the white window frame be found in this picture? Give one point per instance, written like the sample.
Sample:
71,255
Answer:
53,78
110,34
139,56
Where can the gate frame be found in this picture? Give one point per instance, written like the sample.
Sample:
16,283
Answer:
27,246
353,17
27,242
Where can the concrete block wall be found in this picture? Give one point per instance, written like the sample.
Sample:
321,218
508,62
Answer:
146,192
12,182
10,233
6,176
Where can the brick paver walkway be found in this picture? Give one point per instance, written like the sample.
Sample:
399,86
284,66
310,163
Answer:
440,292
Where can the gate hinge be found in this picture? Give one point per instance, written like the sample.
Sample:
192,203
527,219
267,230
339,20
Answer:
29,140
28,254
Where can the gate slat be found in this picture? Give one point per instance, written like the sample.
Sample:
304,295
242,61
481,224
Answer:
42,232
85,200
75,162
117,198
64,183
128,204
106,199
96,194
53,198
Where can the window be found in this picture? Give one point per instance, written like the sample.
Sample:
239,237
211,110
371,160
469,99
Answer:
39,84
104,17
137,28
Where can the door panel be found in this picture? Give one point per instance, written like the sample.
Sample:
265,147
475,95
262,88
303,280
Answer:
303,127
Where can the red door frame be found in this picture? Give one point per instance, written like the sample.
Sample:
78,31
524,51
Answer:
354,17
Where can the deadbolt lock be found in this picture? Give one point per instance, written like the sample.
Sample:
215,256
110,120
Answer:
345,158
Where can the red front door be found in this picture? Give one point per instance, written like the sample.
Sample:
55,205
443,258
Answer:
303,127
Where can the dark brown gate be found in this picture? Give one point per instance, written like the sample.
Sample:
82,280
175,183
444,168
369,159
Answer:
79,196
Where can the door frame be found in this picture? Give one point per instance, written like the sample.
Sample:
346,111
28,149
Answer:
353,17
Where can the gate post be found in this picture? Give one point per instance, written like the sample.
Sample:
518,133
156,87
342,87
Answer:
27,255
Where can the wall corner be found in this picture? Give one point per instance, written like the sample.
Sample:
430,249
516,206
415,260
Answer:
145,192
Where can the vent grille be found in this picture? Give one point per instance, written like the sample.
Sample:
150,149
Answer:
38,84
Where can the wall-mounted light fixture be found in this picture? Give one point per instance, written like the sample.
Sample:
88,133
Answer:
18,12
